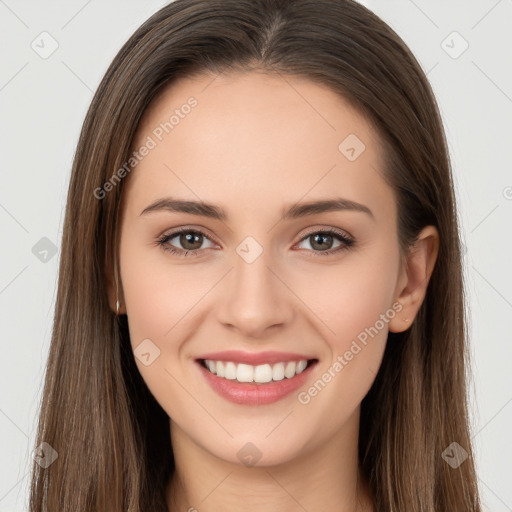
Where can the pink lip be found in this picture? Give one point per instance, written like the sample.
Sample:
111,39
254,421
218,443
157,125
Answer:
254,359
255,394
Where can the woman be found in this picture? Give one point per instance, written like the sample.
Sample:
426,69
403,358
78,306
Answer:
203,357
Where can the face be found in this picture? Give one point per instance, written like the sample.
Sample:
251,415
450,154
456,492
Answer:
257,273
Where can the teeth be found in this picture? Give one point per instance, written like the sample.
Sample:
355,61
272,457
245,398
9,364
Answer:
260,374
278,371
230,371
244,373
263,373
289,370
301,366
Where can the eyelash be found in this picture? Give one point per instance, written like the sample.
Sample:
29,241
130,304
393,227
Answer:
347,242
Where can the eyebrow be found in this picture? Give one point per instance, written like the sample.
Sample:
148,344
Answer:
296,211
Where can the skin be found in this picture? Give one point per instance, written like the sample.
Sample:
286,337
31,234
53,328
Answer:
256,144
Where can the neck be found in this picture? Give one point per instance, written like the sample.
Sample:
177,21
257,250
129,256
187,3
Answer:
326,477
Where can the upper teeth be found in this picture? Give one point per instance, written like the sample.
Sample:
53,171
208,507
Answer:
260,374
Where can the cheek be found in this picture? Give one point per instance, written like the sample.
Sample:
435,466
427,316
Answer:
148,302
354,302
349,297
158,296
158,301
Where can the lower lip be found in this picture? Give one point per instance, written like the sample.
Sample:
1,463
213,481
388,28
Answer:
255,394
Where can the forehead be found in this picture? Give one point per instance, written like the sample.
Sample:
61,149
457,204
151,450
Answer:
253,137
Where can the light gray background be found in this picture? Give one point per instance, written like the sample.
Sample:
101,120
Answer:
43,103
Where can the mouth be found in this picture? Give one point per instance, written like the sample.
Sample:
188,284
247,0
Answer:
261,384
256,374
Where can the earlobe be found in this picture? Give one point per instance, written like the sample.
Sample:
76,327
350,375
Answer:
413,283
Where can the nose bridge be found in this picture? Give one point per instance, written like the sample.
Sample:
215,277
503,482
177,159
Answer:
255,298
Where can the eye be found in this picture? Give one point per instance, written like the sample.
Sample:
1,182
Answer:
323,241
190,239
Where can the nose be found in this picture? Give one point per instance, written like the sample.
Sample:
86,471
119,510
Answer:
255,298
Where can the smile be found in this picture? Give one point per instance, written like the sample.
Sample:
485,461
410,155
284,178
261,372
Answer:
255,384
259,374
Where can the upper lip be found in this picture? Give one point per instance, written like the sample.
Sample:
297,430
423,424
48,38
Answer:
254,358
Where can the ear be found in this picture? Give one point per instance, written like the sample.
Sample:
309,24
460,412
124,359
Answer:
414,278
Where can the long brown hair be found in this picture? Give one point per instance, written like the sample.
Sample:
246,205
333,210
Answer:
111,436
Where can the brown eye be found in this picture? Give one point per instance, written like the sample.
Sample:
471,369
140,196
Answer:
191,241
187,241
321,242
